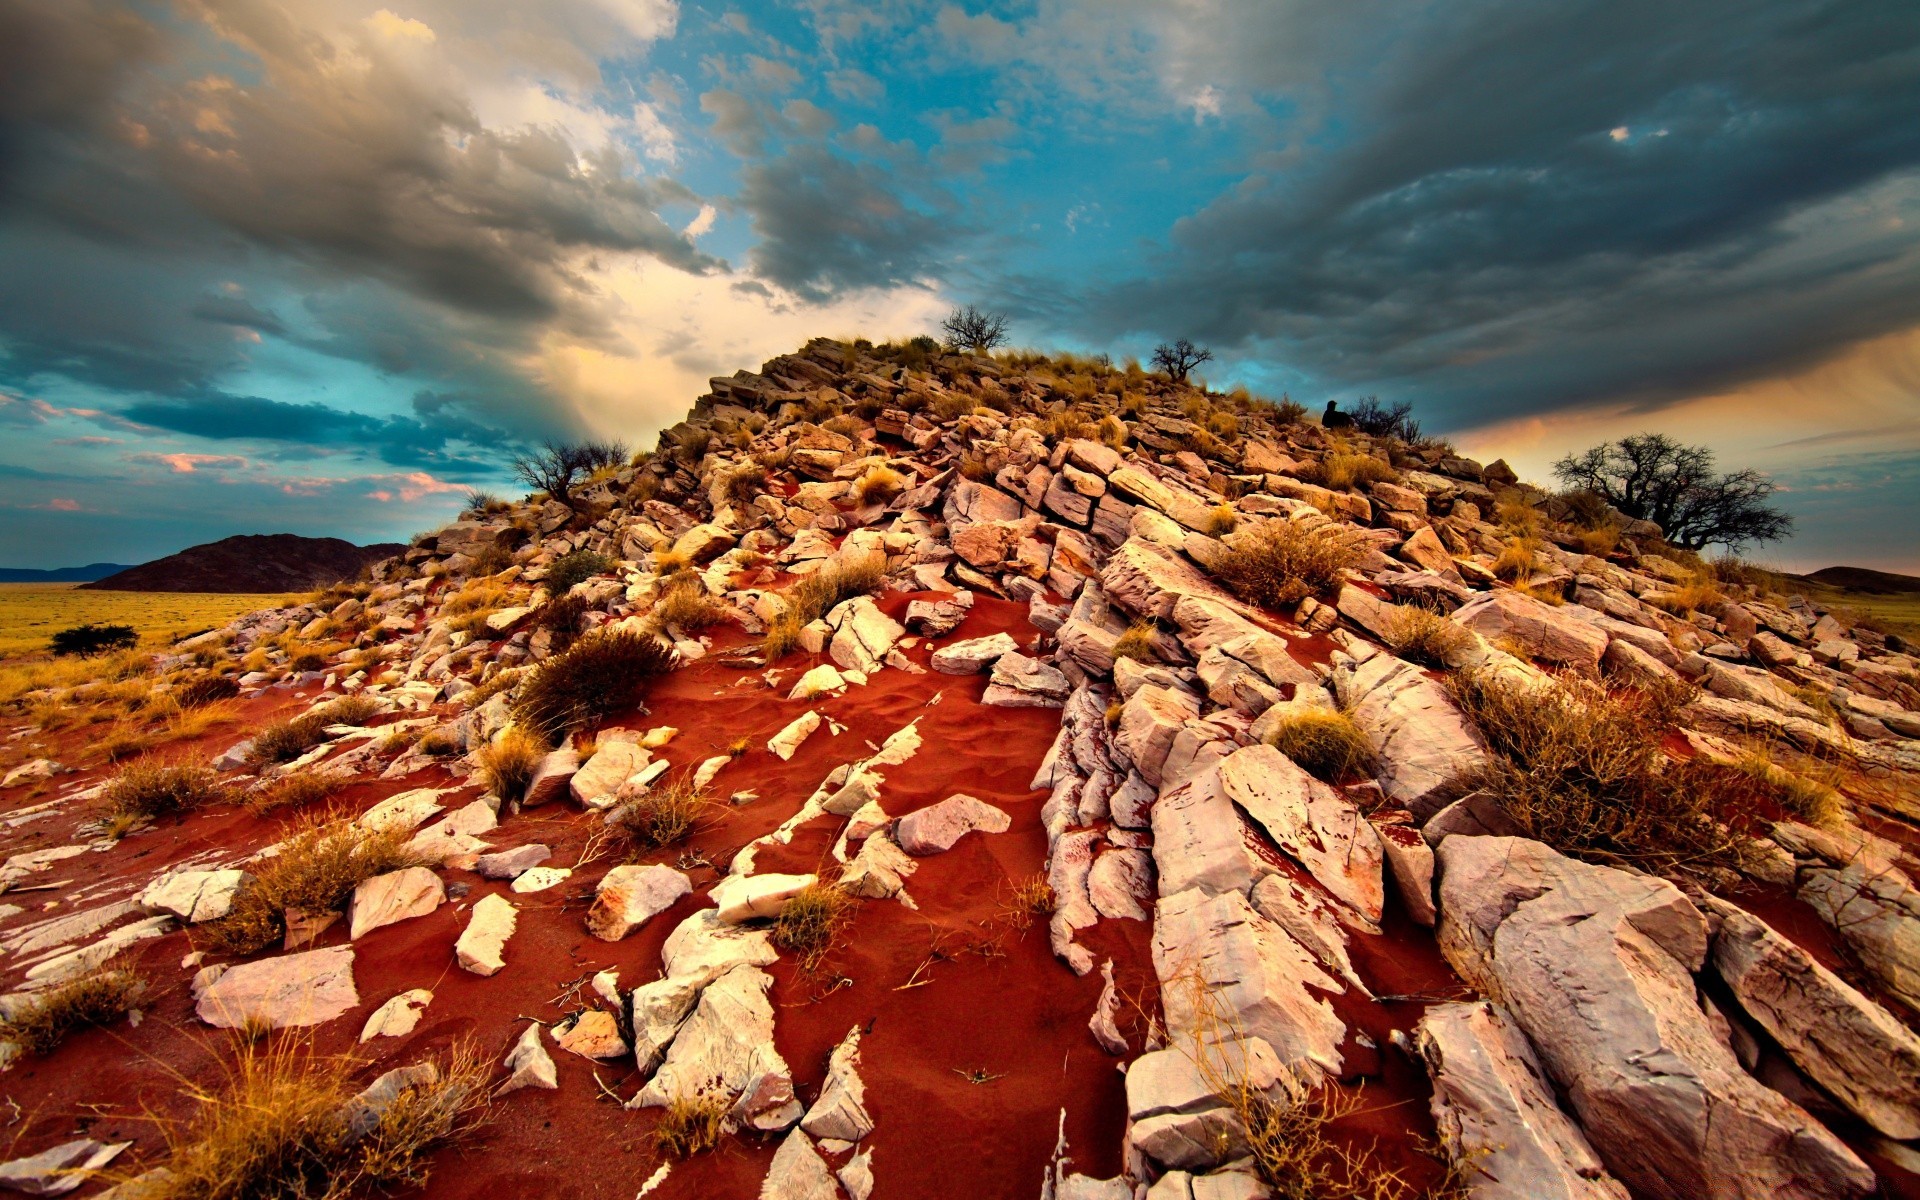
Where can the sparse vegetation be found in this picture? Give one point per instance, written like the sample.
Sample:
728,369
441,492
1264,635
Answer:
1342,471
507,763
320,863
692,1124
154,790
811,920
556,467
1325,743
1383,420
686,605
1280,563
1222,520
281,1124
576,567
816,595
603,673
42,1020
297,791
1423,636
660,816
1583,771
1032,897
878,486
1652,477
1136,643
284,741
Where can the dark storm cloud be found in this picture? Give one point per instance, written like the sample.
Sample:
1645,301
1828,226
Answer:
1470,221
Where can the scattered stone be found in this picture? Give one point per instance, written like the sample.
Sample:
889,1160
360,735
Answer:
552,778
398,1016
797,1172
841,1110
60,1169
630,896
594,1033
392,897
509,864
787,741
309,988
530,1064
974,655
1022,682
935,829
484,940
193,896
612,764
746,897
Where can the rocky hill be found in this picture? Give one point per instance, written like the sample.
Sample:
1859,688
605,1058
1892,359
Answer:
938,776
251,563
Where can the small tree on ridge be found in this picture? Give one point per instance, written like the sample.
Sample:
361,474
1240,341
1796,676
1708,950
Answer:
1179,359
974,329
1652,477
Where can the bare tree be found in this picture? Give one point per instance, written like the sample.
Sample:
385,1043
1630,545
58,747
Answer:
1381,420
974,329
1652,477
557,466
1179,359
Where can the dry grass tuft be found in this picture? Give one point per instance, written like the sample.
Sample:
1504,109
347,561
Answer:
660,816
284,741
1325,743
508,762
1423,636
1280,563
1342,471
156,790
1687,599
602,674
1583,771
816,595
318,866
1222,520
1136,643
878,486
687,605
282,1126
691,1125
811,920
43,1020
1032,897
298,791
1814,800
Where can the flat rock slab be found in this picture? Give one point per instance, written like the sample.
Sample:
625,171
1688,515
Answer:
508,864
611,765
935,829
193,896
552,778
60,1169
630,896
393,897
484,940
398,1016
1420,740
747,897
973,655
309,988
787,741
1545,632
1022,682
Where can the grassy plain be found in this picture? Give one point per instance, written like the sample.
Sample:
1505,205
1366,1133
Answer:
1896,612
30,613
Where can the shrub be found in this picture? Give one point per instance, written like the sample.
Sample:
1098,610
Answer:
1113,432
284,741
1136,643
205,689
1379,420
878,486
659,816
42,1020
297,791
811,919
560,617
1325,743
691,1125
508,762
1281,562
818,594
156,790
90,640
1583,771
1222,520
282,1125
1518,560
691,444
318,867
1032,897
743,485
782,636
1341,471
603,673
576,567
1423,636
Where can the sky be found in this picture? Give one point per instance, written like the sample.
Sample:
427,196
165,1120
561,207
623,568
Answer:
323,266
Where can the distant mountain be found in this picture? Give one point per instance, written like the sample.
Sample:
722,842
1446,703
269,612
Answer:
1860,579
277,562
84,574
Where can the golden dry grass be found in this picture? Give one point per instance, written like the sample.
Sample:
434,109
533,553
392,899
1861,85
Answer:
508,762
691,1125
816,595
152,790
687,605
811,920
286,740
599,676
100,997
660,816
1136,643
1423,636
878,486
30,613
320,862
297,791
1324,742
1281,563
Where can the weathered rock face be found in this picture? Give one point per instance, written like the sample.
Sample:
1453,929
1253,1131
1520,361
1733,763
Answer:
1878,915
841,1110
973,655
934,830
395,896
193,896
1546,632
1177,1116
1596,967
484,941
1494,1107
310,988
1420,740
1842,1040
1223,965
552,778
612,764
727,1044
862,634
629,896
1022,682
1313,824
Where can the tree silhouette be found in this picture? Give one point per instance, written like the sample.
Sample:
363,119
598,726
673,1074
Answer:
1652,477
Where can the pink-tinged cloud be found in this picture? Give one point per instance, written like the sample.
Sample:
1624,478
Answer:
89,441
188,464
410,487
62,504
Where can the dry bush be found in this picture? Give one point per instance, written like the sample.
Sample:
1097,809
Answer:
1423,636
878,486
1687,598
319,864
691,1125
162,790
281,1125
1518,559
123,742
202,690
298,791
1325,743
1281,563
40,1021
601,674
502,680
438,743
1136,643
1222,520
1032,897
691,444
1112,431
1600,541
660,816
560,617
1814,800
811,919
575,567
284,741
1342,471
508,762
741,487
782,636
687,605
818,594
1583,771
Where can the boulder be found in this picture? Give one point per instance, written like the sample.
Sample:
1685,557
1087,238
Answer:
630,896
484,940
1495,1111
193,896
787,741
1147,579
973,655
508,864
1176,1114
552,777
1421,742
1879,917
1839,1038
1545,632
395,896
862,635
748,897
594,784
841,1111
1022,682
1596,967
935,829
594,1034
1309,821
727,1044
1410,859
290,990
